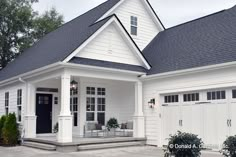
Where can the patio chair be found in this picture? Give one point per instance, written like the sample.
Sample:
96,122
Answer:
93,129
127,128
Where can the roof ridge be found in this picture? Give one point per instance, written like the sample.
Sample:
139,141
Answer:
200,18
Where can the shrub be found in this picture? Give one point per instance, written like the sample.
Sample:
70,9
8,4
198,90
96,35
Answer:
2,121
229,149
112,123
184,145
10,131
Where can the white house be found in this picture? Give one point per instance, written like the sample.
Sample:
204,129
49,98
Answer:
128,66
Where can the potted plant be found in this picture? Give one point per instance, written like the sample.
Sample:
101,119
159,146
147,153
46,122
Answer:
112,125
184,145
229,148
55,128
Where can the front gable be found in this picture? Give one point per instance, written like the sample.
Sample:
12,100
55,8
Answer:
148,25
113,44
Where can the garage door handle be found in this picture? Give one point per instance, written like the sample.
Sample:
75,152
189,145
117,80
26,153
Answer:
230,123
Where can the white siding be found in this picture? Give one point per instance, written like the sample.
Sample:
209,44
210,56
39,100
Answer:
110,46
190,82
147,29
12,98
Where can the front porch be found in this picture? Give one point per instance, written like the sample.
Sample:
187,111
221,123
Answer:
95,98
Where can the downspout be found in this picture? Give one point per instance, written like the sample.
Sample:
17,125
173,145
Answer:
22,126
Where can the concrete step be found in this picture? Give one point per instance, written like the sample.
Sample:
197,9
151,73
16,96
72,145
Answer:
42,146
110,145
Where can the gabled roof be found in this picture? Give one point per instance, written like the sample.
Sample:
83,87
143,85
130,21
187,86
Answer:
57,45
206,41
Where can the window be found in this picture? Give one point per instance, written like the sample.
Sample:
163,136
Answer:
6,103
73,105
216,95
96,104
134,25
19,104
234,94
191,97
171,98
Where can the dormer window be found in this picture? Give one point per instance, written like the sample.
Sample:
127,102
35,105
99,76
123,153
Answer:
134,25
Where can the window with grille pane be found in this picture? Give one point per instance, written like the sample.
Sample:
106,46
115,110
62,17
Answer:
19,104
216,95
74,106
171,98
96,104
134,25
191,97
6,103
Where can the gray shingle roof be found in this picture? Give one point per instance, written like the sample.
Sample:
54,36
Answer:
205,41
106,64
57,45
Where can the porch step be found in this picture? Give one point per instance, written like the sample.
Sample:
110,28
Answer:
110,145
42,146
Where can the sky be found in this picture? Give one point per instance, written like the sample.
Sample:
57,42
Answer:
171,12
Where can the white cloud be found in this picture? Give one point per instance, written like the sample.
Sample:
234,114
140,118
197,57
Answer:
171,12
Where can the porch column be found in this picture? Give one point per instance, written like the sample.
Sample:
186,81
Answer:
139,127
65,117
30,117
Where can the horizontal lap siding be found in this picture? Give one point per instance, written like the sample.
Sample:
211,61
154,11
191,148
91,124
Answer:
12,99
110,46
186,83
147,29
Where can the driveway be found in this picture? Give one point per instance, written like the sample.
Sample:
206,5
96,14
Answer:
118,152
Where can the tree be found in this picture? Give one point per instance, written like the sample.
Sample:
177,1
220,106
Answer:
2,122
21,27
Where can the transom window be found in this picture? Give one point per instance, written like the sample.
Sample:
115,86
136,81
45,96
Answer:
74,105
96,104
6,103
216,95
134,25
19,104
171,98
191,97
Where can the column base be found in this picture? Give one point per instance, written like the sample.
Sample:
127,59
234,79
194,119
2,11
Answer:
65,129
139,127
30,126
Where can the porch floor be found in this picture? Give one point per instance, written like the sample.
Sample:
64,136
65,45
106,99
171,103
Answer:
80,143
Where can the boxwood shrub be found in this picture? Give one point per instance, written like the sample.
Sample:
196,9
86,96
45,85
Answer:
10,131
229,148
184,145
2,121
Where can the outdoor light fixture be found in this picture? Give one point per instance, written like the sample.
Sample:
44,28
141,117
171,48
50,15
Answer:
73,85
152,103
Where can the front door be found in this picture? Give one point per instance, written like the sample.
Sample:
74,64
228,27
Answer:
44,113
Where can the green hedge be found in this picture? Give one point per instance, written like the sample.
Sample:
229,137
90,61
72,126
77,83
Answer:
2,121
10,133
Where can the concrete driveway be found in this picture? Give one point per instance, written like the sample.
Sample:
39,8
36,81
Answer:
118,152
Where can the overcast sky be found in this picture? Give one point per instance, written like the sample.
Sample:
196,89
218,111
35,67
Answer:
171,12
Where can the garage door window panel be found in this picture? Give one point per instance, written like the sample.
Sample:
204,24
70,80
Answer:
171,99
216,95
191,97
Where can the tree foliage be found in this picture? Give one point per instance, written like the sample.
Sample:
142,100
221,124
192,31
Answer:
21,26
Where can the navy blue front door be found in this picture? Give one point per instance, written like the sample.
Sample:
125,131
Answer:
44,113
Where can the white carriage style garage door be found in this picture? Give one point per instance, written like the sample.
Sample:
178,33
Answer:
209,114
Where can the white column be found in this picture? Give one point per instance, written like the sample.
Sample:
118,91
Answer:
139,127
30,117
65,117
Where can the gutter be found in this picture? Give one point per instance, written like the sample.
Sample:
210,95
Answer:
188,71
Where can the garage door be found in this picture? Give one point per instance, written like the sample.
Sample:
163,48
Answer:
210,115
